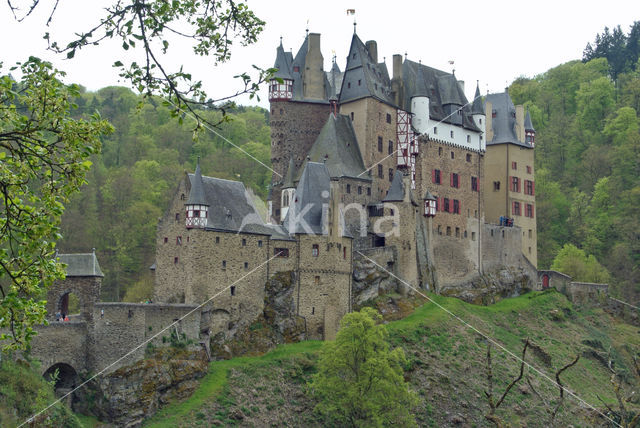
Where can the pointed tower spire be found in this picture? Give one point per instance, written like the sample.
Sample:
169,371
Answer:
529,131
476,107
197,206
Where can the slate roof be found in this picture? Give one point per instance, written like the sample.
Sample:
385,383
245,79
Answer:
337,144
307,213
396,191
83,264
477,107
440,87
290,175
196,194
230,206
504,122
528,126
334,79
373,77
283,63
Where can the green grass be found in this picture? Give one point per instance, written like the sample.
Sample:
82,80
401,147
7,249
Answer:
431,337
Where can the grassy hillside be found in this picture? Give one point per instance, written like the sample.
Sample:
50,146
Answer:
447,368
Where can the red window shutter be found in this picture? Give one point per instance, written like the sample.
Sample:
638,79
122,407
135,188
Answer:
511,183
451,179
533,188
433,175
518,185
532,211
513,208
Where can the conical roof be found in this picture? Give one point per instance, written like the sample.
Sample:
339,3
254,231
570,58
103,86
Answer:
528,126
337,147
196,195
290,176
282,64
477,107
396,191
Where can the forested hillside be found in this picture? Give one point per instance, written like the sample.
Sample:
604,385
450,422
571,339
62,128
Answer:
588,159
131,182
587,170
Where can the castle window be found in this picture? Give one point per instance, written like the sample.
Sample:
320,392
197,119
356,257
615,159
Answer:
514,165
296,69
390,147
259,243
439,151
446,207
359,190
313,310
380,144
344,252
473,236
348,188
452,154
217,239
457,232
530,233
456,206
481,121
455,180
439,230
246,265
496,185
224,264
348,84
177,216
474,184
448,230
352,116
380,171
281,111
315,250
166,239
187,239
244,242
388,118
516,208
281,252
182,197
435,130
376,210
375,85
468,154
494,113
175,260
436,176
515,184
359,82
368,191
316,280
178,240
451,132
528,187
528,169
353,56
528,210
233,290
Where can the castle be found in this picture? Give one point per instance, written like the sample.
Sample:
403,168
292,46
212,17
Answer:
372,172
367,166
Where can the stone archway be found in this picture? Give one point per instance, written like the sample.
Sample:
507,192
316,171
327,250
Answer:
64,375
69,304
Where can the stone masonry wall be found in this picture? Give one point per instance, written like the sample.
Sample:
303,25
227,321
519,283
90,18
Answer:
61,342
87,289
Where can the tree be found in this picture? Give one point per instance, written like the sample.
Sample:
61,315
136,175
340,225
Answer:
575,263
360,380
150,27
43,160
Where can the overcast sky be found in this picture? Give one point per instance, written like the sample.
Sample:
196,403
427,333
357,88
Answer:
493,42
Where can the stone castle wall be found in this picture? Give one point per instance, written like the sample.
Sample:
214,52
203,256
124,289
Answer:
85,288
61,342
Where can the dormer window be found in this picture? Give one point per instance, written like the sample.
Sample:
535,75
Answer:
296,69
494,113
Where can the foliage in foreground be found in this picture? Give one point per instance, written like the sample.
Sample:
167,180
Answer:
23,392
360,380
44,156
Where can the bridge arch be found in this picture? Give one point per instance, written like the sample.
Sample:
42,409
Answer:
65,376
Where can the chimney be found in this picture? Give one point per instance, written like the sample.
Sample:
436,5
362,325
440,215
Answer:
520,123
397,66
396,82
313,75
372,47
488,128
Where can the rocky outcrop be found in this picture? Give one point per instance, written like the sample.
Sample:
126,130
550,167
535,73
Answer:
370,280
277,324
491,287
132,393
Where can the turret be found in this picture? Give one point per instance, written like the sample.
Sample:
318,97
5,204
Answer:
478,115
281,85
529,132
197,207
288,189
